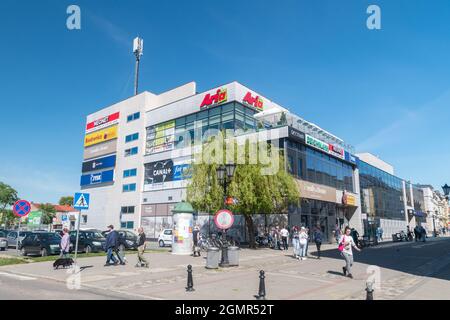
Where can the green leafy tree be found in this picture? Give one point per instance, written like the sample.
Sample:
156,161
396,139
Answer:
48,213
7,198
66,201
255,192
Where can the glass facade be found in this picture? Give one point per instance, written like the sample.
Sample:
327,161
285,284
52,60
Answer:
381,193
314,166
172,134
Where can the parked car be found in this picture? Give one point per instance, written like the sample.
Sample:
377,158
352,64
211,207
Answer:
165,238
127,240
12,237
89,240
40,243
3,240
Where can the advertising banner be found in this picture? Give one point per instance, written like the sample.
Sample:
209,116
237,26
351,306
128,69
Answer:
165,175
34,218
311,190
296,135
99,164
100,150
100,136
349,157
161,137
325,147
97,178
103,122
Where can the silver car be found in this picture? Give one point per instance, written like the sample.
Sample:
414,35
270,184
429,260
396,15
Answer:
12,237
3,241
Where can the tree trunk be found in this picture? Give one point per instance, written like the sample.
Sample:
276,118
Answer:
251,231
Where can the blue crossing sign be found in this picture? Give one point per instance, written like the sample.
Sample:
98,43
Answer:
81,201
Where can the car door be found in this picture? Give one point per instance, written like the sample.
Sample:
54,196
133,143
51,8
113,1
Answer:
33,246
168,236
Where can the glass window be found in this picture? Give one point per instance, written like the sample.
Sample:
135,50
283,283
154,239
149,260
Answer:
133,116
131,151
132,137
129,187
129,173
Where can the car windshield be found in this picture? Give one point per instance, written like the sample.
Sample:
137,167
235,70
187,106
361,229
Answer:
50,236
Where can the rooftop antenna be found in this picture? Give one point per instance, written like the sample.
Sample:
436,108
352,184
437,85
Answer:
138,50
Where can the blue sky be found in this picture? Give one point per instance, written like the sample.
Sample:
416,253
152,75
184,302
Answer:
384,91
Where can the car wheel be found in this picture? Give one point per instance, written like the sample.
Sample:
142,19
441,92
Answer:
88,249
23,252
161,243
44,252
3,249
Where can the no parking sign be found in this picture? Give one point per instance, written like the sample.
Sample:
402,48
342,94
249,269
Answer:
21,208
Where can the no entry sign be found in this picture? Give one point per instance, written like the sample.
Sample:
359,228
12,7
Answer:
21,208
224,219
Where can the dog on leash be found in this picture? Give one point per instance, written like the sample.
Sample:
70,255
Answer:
64,262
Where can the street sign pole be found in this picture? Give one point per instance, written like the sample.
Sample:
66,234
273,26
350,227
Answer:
17,242
78,233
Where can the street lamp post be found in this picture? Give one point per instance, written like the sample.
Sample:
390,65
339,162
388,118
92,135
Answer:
224,174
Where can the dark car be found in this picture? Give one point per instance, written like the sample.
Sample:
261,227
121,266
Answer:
127,240
40,243
90,240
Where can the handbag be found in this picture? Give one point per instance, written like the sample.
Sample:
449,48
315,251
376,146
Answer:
341,245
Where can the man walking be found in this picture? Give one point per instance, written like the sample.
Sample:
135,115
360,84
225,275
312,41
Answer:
110,245
285,238
317,235
142,262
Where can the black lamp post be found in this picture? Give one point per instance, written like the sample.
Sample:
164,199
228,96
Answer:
224,174
446,190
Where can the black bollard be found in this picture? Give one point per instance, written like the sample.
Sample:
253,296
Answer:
369,290
190,281
262,287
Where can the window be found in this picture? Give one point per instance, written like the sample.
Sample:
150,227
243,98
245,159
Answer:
129,187
132,137
127,225
131,151
129,173
133,116
126,210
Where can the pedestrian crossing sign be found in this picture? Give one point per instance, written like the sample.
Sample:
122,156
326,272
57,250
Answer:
81,201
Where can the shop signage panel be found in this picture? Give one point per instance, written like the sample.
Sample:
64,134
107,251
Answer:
165,175
148,210
97,178
296,135
100,150
316,143
310,190
350,158
103,122
212,99
100,136
253,101
99,164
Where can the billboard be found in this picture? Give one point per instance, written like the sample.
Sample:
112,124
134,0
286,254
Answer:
99,164
100,149
161,137
97,178
34,218
165,174
100,136
103,122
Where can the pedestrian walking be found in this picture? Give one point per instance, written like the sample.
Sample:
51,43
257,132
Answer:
296,241
303,241
417,233
318,237
381,233
121,244
337,233
195,241
110,245
285,238
65,244
142,262
307,241
423,233
346,243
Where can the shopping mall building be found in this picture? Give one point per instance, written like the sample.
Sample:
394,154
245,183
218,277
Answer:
137,152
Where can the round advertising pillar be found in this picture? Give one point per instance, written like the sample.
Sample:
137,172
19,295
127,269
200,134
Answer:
183,223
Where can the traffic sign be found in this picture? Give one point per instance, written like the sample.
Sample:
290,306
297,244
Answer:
224,219
21,208
81,201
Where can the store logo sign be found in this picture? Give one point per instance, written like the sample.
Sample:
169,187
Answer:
256,101
102,122
317,143
213,99
97,178
337,151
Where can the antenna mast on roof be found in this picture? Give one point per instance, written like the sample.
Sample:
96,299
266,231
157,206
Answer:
138,50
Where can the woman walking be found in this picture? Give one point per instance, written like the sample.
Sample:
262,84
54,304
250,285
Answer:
303,241
345,246
317,235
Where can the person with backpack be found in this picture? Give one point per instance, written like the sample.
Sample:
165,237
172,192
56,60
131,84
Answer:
318,236
346,243
303,241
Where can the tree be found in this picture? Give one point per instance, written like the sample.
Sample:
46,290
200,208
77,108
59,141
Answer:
66,201
48,213
8,196
255,192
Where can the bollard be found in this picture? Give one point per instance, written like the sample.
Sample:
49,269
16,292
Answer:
262,287
190,281
369,290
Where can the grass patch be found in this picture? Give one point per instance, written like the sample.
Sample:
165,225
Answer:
9,261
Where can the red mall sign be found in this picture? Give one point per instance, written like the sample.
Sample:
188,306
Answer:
212,99
256,102
102,122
